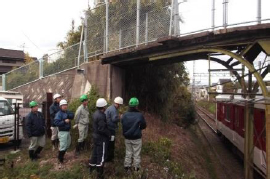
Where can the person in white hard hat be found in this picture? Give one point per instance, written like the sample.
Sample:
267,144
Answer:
101,136
63,121
113,118
54,108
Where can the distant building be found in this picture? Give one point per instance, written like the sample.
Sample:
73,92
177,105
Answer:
10,59
222,83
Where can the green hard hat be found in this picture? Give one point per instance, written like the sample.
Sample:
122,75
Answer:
33,104
133,102
83,97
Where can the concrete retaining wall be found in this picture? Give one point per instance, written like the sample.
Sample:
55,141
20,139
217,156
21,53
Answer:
72,83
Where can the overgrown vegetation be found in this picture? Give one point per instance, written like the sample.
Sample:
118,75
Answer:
162,90
208,105
160,153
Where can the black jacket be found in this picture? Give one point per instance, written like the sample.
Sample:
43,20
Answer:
54,108
35,124
100,127
60,118
133,123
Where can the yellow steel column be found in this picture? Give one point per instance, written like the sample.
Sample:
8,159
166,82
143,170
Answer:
267,127
249,132
251,69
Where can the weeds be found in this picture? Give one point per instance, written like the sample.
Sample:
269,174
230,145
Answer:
208,105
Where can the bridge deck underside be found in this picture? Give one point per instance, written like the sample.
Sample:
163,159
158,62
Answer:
233,39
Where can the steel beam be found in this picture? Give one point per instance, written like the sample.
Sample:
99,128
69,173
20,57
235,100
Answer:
259,79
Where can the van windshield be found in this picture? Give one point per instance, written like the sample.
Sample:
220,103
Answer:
5,108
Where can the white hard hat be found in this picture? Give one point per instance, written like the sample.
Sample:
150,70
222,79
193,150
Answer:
63,102
56,96
101,102
118,100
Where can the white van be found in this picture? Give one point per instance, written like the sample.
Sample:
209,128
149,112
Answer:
7,132
12,97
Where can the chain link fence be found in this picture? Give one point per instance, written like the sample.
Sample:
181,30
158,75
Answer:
62,60
118,25
22,75
95,31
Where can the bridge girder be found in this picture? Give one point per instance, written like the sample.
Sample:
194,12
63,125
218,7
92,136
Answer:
241,44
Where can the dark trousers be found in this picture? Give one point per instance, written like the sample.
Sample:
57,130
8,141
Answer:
99,154
111,147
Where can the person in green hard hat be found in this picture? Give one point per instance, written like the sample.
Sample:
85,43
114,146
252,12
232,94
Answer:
133,123
35,128
82,122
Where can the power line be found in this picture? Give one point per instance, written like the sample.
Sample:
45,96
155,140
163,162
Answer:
32,42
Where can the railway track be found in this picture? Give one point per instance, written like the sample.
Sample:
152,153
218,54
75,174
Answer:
210,122
207,118
223,156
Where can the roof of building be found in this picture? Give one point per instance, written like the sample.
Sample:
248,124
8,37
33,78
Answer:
15,54
222,81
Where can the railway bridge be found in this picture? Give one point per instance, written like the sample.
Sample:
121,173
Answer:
115,36
239,45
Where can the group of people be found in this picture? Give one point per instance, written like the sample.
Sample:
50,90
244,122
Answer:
104,123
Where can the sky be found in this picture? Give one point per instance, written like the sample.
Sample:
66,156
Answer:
38,25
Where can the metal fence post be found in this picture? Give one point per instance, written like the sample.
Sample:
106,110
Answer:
138,23
4,82
213,14
259,11
80,47
120,39
85,39
146,28
104,41
171,17
176,18
107,27
41,68
225,13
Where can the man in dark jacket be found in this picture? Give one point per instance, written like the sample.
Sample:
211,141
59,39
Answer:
63,121
112,117
54,108
35,127
133,123
101,135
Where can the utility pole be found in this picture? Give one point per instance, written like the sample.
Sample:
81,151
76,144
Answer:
213,14
193,81
225,13
209,78
249,133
